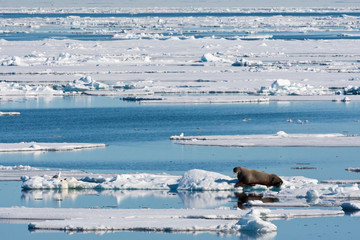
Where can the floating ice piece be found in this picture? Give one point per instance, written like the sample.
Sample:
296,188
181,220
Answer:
279,139
353,169
9,113
34,146
253,222
177,220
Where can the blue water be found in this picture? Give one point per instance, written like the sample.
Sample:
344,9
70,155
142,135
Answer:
138,141
138,135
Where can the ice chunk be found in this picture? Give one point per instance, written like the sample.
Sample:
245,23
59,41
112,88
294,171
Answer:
203,180
253,222
85,83
208,57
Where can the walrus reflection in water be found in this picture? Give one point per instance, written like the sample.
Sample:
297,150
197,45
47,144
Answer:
251,177
244,198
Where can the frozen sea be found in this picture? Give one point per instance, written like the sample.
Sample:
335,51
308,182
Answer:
138,141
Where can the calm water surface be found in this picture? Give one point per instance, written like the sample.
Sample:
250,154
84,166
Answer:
138,141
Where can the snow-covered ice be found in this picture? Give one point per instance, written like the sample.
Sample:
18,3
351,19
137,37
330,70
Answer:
305,190
280,139
169,220
182,67
9,113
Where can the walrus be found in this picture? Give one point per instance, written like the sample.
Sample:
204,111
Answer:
251,177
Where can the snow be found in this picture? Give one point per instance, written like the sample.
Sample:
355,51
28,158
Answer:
196,179
14,173
306,191
85,84
279,139
169,220
180,68
35,146
16,89
9,113
285,87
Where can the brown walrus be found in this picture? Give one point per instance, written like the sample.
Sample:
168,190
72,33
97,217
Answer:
251,177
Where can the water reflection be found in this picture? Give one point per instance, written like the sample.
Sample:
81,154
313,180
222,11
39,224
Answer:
129,198
243,198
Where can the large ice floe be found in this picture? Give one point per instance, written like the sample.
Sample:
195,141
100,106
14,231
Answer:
280,139
304,190
169,220
36,146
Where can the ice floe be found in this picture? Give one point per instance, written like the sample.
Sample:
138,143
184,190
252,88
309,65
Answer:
169,220
9,113
36,146
280,139
305,190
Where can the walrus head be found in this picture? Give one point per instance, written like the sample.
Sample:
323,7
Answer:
276,181
236,170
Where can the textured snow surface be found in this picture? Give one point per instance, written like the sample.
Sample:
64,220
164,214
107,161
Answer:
153,67
211,220
304,190
280,139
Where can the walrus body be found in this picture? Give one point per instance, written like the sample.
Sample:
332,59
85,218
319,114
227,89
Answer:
251,177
